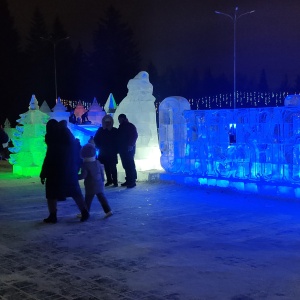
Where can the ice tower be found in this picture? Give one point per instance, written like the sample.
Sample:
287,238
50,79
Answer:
139,108
96,113
110,105
29,147
59,112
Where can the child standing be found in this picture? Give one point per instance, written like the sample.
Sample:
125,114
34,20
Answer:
93,174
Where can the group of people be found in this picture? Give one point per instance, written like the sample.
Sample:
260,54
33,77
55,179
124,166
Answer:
110,141
66,162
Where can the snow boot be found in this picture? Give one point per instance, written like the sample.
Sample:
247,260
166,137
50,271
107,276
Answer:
84,215
51,219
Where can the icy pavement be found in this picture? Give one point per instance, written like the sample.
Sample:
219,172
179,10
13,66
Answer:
164,241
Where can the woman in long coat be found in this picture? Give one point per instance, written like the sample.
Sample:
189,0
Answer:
60,169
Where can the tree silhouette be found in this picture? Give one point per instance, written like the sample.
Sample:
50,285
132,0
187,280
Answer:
10,64
115,58
39,68
263,84
82,88
297,84
284,86
64,61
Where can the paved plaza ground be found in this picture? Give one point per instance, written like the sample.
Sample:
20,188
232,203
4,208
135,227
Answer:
164,241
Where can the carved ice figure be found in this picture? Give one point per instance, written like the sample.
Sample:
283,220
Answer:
95,113
139,108
59,112
110,105
173,133
45,108
29,147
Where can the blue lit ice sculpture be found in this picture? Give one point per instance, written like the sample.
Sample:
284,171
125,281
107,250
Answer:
255,149
96,113
172,133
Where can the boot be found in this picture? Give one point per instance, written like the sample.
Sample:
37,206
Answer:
84,215
51,219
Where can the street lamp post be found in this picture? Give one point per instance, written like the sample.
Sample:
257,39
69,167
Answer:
54,42
234,18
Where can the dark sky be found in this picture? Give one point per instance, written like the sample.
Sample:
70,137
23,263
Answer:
188,33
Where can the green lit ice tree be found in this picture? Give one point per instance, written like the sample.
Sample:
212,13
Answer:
29,148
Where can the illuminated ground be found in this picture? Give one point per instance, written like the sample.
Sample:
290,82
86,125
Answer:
165,241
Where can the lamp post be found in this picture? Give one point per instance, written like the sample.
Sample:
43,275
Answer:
54,41
234,18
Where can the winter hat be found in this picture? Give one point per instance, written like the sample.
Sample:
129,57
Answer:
88,151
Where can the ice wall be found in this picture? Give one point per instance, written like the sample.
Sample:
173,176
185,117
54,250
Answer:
246,146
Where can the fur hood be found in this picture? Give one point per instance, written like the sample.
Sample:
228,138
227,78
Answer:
106,125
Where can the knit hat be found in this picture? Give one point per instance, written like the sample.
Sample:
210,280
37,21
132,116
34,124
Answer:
88,151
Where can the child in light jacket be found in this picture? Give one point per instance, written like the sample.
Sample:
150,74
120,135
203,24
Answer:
93,174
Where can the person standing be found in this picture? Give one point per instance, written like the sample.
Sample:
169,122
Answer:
4,139
60,170
93,175
127,136
106,141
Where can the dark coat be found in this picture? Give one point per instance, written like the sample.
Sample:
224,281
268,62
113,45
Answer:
3,138
60,166
107,142
127,136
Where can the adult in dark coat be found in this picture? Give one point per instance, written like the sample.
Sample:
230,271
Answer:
106,141
4,139
127,136
60,169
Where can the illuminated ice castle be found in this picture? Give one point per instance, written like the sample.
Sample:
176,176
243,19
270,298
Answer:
255,149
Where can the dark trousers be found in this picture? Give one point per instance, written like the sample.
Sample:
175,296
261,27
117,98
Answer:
128,164
110,168
102,199
111,173
75,193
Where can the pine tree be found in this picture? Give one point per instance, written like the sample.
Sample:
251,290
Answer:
263,84
10,60
64,56
115,59
82,88
39,62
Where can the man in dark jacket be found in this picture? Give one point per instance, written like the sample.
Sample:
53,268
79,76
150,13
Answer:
127,136
106,141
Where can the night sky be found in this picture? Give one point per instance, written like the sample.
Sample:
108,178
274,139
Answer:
188,34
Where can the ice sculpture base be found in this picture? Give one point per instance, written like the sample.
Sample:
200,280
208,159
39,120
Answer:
265,188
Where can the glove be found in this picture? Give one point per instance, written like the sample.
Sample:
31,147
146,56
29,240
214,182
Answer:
43,180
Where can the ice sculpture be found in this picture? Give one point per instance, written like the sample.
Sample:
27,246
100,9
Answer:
59,111
110,105
29,147
8,129
172,133
79,110
139,108
256,149
45,108
292,100
96,113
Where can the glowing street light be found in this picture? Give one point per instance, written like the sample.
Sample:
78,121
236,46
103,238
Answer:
234,18
54,41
